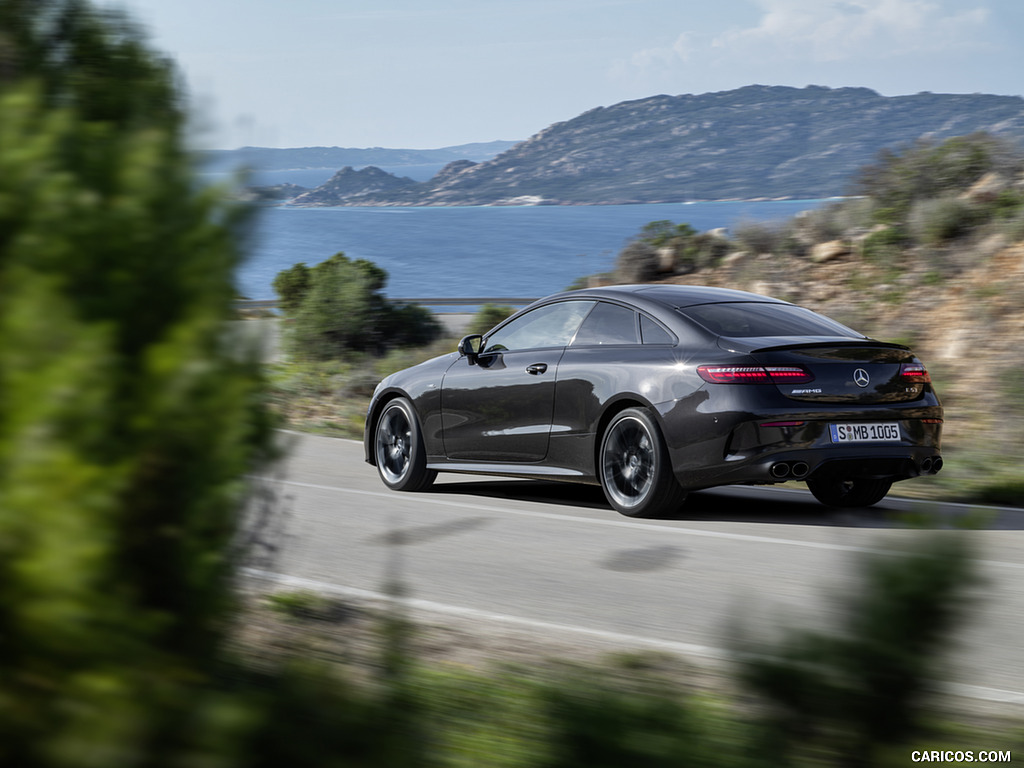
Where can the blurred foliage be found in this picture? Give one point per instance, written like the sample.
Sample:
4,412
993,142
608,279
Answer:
309,606
331,396
597,719
488,316
933,221
758,237
859,691
662,248
926,170
127,429
337,308
864,685
884,246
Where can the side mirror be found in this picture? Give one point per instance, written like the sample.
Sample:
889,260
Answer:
470,347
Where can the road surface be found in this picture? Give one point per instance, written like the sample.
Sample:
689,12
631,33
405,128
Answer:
554,558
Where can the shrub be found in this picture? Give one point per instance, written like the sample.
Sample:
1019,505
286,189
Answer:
663,232
884,246
925,170
488,316
757,237
863,686
637,263
935,220
641,260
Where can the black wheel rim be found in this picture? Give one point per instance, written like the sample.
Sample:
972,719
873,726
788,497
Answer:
628,462
394,444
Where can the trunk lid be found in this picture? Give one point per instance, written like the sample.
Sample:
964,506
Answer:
843,371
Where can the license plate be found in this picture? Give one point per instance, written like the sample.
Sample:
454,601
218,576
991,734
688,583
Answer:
865,432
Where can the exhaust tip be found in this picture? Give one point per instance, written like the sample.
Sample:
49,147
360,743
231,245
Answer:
926,465
800,469
936,464
779,470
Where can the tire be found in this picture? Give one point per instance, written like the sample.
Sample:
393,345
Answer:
849,491
634,468
398,449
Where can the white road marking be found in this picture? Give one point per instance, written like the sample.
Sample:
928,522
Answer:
429,606
714,655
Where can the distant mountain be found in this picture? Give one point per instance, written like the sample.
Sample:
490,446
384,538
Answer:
271,159
752,142
349,184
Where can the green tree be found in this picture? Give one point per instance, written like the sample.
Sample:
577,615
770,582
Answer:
292,285
337,308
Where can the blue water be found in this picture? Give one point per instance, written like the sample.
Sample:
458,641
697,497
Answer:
476,251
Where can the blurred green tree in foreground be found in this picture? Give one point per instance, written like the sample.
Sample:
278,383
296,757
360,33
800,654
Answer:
128,424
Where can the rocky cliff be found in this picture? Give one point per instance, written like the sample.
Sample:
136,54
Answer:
752,142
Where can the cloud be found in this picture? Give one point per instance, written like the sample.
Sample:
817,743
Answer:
851,29
824,32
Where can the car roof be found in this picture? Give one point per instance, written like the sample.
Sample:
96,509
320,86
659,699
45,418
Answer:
670,296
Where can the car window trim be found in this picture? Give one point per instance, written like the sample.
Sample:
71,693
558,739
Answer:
486,339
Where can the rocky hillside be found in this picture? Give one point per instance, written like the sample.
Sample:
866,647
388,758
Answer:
752,142
348,184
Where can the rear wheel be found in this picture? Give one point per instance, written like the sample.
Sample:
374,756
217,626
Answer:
634,467
398,449
849,491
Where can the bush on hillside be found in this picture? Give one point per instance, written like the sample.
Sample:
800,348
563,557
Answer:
933,221
662,249
925,170
637,263
884,246
757,237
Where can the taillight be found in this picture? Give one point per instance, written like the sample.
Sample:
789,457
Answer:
754,374
914,373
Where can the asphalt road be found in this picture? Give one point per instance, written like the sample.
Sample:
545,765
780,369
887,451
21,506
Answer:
553,558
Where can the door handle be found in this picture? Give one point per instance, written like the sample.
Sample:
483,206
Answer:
537,368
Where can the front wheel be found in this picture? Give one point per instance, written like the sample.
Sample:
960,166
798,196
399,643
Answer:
634,467
398,449
849,491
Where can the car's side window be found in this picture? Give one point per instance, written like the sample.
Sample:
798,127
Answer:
608,324
552,325
653,333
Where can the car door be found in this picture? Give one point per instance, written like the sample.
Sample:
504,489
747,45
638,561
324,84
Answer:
499,408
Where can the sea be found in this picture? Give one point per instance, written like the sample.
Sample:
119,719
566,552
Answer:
471,251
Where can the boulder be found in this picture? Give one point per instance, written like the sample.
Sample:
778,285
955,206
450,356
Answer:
986,188
829,251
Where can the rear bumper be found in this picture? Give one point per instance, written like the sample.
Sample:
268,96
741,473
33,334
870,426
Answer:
746,451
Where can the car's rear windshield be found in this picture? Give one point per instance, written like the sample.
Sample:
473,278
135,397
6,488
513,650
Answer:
748,319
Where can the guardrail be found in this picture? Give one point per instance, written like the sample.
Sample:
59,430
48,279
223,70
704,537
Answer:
423,302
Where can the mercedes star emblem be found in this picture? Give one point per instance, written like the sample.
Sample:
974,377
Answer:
861,377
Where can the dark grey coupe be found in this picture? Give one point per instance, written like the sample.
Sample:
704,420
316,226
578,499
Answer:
652,391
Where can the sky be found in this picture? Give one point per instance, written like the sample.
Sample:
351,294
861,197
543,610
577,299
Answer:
424,74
